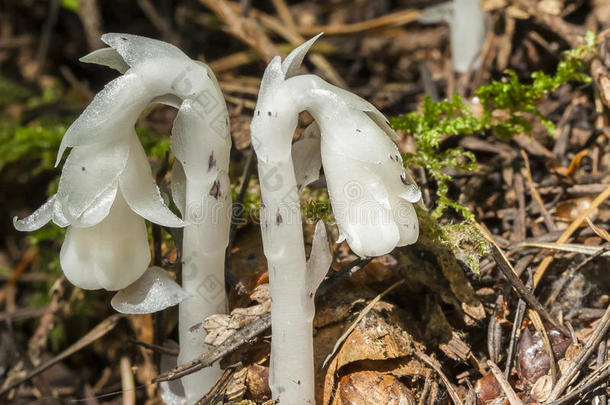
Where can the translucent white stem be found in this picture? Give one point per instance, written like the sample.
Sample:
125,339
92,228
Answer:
203,279
292,306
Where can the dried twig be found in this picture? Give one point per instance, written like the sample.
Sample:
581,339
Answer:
218,388
244,28
94,334
389,20
569,275
544,264
360,316
582,357
516,330
548,221
507,269
239,338
437,367
512,397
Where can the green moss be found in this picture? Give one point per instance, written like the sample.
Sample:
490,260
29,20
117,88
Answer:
517,100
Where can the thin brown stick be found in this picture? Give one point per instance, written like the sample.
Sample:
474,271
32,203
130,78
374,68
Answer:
437,367
544,264
156,348
584,389
507,269
512,397
240,337
94,334
218,388
284,12
516,329
546,343
243,28
582,357
389,20
548,221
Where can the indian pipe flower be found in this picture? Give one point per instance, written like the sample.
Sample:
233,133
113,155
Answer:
106,190
370,192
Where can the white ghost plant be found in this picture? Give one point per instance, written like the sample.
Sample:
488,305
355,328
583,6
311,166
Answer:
106,190
468,28
371,195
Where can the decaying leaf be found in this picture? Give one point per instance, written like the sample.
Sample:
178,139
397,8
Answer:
542,388
487,388
379,339
372,388
220,327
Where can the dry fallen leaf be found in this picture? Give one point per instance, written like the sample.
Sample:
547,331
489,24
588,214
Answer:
257,382
372,388
542,388
379,336
487,388
220,327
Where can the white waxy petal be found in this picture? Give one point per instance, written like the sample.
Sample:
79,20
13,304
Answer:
320,258
168,99
89,180
352,133
306,156
37,219
292,62
141,192
136,49
411,194
369,227
110,116
359,104
406,220
106,57
110,255
58,215
154,291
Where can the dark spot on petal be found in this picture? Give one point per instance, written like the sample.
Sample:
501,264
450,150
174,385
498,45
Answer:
357,130
211,162
269,113
258,112
82,168
124,39
278,218
215,190
310,295
403,178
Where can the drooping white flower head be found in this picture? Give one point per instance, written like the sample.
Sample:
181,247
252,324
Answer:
106,189
468,28
371,194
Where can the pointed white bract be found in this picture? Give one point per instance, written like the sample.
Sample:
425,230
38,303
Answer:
154,291
106,190
371,194
468,28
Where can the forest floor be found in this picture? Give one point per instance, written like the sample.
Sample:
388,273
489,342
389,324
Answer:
510,306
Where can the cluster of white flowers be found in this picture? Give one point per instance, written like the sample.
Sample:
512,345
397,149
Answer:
106,191
371,194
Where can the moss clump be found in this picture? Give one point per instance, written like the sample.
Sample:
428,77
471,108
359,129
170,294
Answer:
517,100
